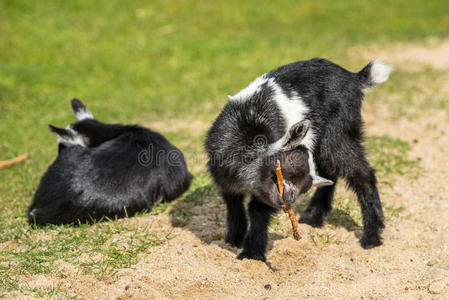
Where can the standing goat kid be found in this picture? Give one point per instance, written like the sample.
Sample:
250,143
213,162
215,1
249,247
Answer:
308,115
107,170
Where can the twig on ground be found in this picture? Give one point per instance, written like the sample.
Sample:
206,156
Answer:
13,161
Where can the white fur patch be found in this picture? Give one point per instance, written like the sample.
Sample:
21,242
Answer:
83,114
380,71
294,110
78,139
253,88
70,141
311,164
74,139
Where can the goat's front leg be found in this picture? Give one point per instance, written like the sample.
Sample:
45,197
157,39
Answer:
255,242
236,221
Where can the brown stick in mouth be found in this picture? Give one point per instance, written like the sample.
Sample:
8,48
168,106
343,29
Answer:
287,208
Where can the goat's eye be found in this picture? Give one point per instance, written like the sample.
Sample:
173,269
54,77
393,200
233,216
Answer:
290,162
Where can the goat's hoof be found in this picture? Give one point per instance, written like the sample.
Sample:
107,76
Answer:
234,240
312,219
248,255
370,241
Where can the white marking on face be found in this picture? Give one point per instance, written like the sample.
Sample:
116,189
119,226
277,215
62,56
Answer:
253,88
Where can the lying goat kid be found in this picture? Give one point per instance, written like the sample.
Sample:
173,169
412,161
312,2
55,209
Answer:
309,110
107,170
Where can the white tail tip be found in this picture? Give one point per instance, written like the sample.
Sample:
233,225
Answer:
380,71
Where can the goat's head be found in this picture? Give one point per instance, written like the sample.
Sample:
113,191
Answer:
74,134
294,160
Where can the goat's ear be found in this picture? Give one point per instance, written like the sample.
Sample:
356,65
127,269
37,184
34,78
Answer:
80,111
59,132
320,181
295,135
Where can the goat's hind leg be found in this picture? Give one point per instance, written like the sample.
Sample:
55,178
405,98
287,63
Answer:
362,179
236,220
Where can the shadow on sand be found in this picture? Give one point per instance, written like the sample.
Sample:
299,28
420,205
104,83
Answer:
203,212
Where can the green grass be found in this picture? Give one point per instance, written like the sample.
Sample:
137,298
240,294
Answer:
149,61
389,156
97,249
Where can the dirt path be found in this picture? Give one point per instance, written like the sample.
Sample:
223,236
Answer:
412,263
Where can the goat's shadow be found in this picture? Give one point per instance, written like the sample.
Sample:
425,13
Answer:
203,212
340,218
336,217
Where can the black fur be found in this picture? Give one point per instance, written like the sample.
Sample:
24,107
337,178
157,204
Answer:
118,167
333,98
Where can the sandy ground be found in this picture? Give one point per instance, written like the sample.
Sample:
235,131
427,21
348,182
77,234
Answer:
413,263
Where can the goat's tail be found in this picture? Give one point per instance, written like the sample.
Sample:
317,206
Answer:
374,73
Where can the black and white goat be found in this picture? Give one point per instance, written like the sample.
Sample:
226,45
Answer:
308,115
106,170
